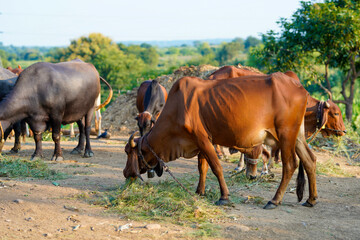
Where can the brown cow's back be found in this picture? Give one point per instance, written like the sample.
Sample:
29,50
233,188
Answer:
225,109
232,72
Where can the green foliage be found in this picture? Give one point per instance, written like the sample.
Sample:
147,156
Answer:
251,42
20,168
228,51
325,35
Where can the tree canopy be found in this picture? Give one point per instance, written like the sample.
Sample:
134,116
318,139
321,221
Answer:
318,34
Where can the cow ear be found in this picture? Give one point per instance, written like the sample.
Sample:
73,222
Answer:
159,170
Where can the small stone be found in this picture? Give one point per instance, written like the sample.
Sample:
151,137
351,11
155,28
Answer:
29,219
47,235
76,227
337,164
19,201
153,226
243,228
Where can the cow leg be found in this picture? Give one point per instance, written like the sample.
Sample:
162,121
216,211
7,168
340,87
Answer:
98,122
218,151
308,159
203,167
17,145
56,128
288,168
209,153
88,152
72,132
241,164
80,147
265,156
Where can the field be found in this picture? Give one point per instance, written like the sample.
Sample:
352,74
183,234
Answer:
80,204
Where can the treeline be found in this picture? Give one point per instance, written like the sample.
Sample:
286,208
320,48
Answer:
320,42
125,66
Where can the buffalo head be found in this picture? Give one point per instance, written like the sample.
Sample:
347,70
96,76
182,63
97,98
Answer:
335,124
135,166
145,122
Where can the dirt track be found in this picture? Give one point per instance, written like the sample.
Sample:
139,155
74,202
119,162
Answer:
41,213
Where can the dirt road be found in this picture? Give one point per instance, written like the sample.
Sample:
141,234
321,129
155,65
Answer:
37,209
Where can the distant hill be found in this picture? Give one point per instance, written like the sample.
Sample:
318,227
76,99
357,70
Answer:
177,43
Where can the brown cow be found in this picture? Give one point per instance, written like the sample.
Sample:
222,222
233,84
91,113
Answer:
317,113
150,100
17,70
241,113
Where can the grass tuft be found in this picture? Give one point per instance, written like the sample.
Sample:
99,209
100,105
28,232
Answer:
18,168
330,168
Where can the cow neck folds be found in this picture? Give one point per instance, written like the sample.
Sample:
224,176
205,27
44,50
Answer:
141,156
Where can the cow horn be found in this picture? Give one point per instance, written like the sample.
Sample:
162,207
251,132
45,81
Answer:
327,104
131,140
328,92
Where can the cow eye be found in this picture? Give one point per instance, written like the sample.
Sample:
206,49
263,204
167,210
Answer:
336,114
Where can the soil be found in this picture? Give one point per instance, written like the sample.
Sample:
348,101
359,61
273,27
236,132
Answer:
38,209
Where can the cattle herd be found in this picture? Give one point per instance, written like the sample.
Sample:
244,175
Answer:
241,109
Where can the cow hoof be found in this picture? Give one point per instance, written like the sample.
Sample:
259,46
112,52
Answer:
223,202
88,154
36,157
251,177
75,151
57,158
308,204
13,151
270,205
239,169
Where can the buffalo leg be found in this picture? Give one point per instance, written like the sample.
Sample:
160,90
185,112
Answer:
208,150
38,146
80,147
17,145
203,167
56,127
88,151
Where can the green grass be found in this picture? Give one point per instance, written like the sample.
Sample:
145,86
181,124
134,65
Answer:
330,168
20,168
164,201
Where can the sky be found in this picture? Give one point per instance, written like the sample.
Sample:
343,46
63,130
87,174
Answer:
57,22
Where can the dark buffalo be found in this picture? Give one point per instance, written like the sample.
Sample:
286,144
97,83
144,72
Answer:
150,100
7,82
47,95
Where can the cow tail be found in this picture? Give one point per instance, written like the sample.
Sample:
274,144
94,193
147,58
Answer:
300,182
108,98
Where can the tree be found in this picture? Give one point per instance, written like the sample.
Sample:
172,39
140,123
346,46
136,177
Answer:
228,51
323,33
86,48
251,42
